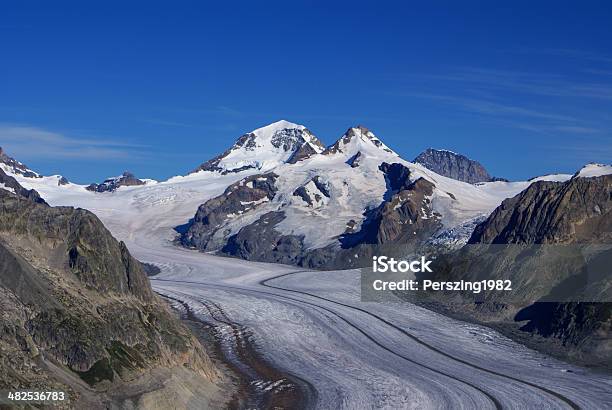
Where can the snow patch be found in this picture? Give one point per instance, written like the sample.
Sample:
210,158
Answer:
6,188
594,170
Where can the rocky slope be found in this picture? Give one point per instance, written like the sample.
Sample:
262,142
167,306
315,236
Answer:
204,231
333,208
16,166
247,219
453,165
554,241
19,170
403,216
10,184
578,210
78,313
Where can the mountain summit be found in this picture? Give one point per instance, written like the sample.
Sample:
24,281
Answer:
357,140
112,184
453,165
265,148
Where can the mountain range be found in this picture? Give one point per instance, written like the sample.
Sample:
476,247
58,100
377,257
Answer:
279,195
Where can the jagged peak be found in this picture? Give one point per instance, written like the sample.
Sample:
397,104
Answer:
354,138
266,147
447,151
16,167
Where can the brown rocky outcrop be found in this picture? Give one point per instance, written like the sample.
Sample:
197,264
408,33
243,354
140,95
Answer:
77,312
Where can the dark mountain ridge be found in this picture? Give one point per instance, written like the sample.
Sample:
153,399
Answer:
64,282
554,242
453,165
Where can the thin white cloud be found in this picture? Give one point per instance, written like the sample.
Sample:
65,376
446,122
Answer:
483,106
165,123
578,54
34,142
538,84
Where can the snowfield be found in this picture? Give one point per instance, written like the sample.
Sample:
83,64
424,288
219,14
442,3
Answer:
353,189
312,324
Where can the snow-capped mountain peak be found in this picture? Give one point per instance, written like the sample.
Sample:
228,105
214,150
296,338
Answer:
13,166
267,131
593,170
265,148
357,140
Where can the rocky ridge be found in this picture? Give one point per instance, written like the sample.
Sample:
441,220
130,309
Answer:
112,184
453,165
277,143
64,281
554,242
15,166
10,184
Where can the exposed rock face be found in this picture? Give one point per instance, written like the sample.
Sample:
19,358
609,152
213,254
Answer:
351,137
304,151
16,166
261,242
64,283
355,160
578,210
553,229
293,139
246,141
111,184
453,165
10,183
404,216
397,176
315,192
238,198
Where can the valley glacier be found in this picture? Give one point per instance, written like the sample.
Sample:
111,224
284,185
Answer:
312,323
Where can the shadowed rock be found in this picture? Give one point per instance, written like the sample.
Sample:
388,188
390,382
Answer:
111,184
453,165
75,304
237,199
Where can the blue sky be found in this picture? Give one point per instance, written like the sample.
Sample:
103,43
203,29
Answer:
89,89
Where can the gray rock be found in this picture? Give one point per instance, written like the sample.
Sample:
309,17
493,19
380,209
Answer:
405,215
10,182
303,152
452,165
403,220
355,160
17,167
356,132
314,194
260,241
542,239
578,210
111,184
72,295
237,199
